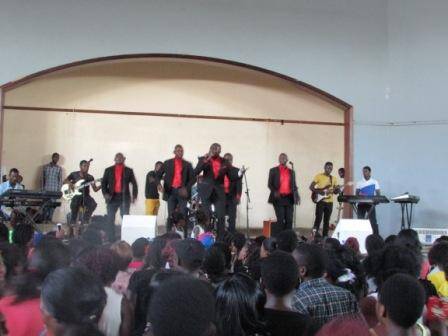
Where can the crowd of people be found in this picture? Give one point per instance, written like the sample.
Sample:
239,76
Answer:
283,285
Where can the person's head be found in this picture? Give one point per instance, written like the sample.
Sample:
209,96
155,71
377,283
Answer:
283,159
438,254
92,236
178,219
55,158
13,176
22,235
124,252
190,254
215,150
72,297
103,262
239,302
178,151
409,239
353,244
119,159
268,246
391,260
168,252
214,264
311,261
287,240
229,158
328,167
203,220
182,306
367,172
158,165
374,243
332,244
237,242
279,274
400,301
51,254
345,325
84,166
140,248
341,173
441,239
13,259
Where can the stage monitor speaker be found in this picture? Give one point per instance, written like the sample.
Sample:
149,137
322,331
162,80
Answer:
358,228
134,227
270,228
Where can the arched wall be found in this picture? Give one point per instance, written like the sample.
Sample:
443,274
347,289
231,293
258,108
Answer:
143,105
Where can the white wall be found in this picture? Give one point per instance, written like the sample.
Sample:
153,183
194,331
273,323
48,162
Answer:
358,50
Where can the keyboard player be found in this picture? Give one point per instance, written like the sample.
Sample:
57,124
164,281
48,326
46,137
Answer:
368,187
12,183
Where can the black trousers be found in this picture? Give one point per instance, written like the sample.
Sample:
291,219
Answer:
118,201
323,210
284,211
218,199
231,205
79,201
363,210
174,201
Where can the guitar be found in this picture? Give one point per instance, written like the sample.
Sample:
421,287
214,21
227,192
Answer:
323,193
68,193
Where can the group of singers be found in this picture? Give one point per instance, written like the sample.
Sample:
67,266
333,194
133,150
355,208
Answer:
218,183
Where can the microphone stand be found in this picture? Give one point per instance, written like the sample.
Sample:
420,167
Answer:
247,204
293,196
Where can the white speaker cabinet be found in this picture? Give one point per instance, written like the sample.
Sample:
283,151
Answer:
134,227
358,228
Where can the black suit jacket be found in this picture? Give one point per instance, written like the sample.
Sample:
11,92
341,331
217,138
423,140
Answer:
236,186
274,184
167,173
209,180
108,183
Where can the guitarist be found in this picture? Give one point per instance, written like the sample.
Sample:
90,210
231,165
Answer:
83,200
323,187
284,193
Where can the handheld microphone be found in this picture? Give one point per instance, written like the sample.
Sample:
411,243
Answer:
291,163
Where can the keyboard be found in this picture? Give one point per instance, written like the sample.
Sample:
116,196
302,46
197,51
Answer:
406,198
355,199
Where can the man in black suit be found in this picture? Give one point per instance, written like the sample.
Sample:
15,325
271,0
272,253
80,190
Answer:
284,193
233,190
178,178
214,168
116,191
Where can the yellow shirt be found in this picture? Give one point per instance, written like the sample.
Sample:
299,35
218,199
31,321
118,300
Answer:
324,181
438,279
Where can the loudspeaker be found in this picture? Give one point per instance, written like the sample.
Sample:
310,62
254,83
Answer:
358,228
134,227
270,228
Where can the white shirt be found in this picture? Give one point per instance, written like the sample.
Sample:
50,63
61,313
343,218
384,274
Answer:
367,187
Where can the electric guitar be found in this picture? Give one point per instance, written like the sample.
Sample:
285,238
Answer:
326,192
68,193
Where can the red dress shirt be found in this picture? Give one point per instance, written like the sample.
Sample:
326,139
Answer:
226,184
119,168
285,181
216,166
177,177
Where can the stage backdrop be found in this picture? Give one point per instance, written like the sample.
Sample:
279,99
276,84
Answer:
176,87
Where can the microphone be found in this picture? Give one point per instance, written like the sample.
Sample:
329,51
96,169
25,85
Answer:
291,163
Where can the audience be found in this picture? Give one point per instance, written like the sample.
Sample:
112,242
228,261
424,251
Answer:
72,302
234,286
239,307
316,296
279,277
